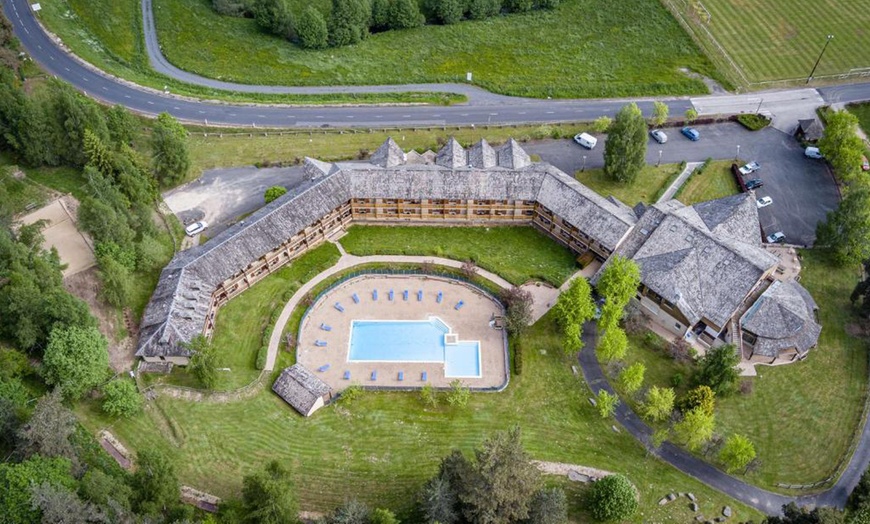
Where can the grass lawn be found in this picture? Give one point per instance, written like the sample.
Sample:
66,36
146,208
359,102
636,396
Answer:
645,188
19,194
802,417
581,49
862,111
715,182
517,254
383,446
776,40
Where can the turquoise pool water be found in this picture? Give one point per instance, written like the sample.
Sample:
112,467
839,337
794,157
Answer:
413,341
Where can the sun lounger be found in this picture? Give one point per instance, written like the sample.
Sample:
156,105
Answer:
347,375
325,327
391,295
440,297
320,343
375,294
420,296
405,295
323,368
374,375
355,298
424,376
338,307
459,305
401,376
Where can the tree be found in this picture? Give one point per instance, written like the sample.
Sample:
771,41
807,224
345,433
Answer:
268,496
274,192
612,498
691,115
695,429
602,124
17,482
155,483
549,506
518,6
59,505
429,396
483,9
275,16
468,269
311,29
500,485
49,429
439,502
203,363
124,128
659,404
69,115
117,282
548,4
170,155
841,145
348,22
658,438
606,403
701,397
383,516
458,395
860,495
121,398
793,514
98,155
104,490
660,114
572,341
846,230
445,11
617,284
632,377
718,369
613,345
518,309
405,14
736,453
76,360
575,305
351,512
625,149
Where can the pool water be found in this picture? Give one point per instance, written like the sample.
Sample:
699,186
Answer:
413,341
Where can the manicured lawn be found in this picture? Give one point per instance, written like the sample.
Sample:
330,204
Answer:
715,182
241,323
776,40
581,49
517,254
802,417
644,189
383,447
862,111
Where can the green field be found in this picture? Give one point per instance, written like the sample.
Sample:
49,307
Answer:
862,111
517,254
646,188
775,40
582,49
715,182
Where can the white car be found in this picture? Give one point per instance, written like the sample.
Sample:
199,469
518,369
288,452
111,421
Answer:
749,168
763,202
196,228
659,136
813,152
776,238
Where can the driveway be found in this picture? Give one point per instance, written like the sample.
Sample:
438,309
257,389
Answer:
802,189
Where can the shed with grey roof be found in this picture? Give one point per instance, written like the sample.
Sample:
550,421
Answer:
300,388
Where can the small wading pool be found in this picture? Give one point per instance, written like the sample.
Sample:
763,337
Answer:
414,341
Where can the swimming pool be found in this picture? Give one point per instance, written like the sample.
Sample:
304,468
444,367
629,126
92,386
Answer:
413,341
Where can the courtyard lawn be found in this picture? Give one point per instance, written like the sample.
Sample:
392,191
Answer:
715,182
862,111
646,188
802,417
382,447
581,49
516,253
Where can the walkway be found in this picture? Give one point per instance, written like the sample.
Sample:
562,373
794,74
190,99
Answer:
763,500
678,183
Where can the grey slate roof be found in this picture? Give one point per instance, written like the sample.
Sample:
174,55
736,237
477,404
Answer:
388,155
512,155
482,156
811,129
452,155
783,318
300,388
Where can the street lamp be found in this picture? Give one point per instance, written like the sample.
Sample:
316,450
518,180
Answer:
738,152
584,163
828,41
660,159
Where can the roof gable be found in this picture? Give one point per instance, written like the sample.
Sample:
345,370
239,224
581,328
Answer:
300,388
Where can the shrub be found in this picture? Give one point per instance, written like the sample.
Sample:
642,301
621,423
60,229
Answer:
459,395
311,29
518,356
405,14
429,396
274,193
519,6
262,355
701,397
753,122
445,11
348,22
606,403
351,393
612,498
602,124
121,398
482,9
548,4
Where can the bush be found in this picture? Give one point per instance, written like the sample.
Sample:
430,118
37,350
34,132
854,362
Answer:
262,355
482,9
351,393
445,11
519,6
753,122
274,193
612,498
121,398
405,14
311,29
518,356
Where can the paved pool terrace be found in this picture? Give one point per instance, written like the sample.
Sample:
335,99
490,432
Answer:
403,335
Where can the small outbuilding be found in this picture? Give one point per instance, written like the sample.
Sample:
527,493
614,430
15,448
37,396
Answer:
809,130
300,388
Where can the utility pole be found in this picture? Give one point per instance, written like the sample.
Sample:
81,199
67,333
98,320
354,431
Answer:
828,41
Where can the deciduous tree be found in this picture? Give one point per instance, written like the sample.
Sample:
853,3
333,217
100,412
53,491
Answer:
613,345
691,115
518,309
660,113
841,145
311,29
155,483
348,22
701,397
625,149
606,403
846,230
405,14
575,305
617,284
459,395
445,11
275,16
18,479
612,499
659,404
736,453
76,360
121,398
632,377
268,498
482,9
383,516
695,429
170,155
351,512
518,6
203,363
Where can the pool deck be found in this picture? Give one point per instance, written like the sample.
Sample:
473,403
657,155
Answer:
471,322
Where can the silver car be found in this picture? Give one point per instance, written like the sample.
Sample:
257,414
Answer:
659,136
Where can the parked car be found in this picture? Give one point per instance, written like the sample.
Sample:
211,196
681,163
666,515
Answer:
196,228
763,202
755,183
691,133
813,152
586,140
776,238
750,168
659,136
865,164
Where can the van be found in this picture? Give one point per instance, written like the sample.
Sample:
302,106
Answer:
813,152
586,140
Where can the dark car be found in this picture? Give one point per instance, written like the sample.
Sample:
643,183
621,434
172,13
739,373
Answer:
755,183
691,133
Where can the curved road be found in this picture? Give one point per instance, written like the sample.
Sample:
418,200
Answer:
489,109
763,500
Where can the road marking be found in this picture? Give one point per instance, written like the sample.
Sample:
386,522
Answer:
493,114
85,79
521,113
51,56
25,30
150,102
463,114
232,114
379,116
406,116
104,88
201,112
126,96
261,116
176,108
550,112
350,116
66,68
318,116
